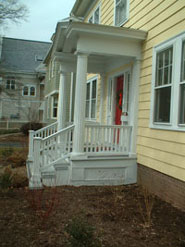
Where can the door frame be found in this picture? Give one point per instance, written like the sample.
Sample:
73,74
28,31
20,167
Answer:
111,94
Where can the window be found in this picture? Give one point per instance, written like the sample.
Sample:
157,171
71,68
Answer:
95,18
29,91
91,99
10,84
182,88
168,85
55,106
163,85
121,11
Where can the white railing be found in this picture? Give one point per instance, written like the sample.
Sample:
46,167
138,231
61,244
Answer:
107,139
41,133
56,146
46,131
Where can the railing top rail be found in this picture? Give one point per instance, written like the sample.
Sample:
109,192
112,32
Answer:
58,132
46,127
109,126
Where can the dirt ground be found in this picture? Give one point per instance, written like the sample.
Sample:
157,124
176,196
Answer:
115,212
122,216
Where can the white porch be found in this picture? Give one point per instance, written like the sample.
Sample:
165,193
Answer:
88,153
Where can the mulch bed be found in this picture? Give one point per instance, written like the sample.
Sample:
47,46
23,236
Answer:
117,213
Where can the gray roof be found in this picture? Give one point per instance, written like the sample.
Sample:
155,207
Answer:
22,55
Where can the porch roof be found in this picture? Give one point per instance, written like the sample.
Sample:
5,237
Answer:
101,42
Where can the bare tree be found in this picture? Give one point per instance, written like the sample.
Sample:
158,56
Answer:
12,10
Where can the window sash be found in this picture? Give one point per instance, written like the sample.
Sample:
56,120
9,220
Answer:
91,99
95,17
120,11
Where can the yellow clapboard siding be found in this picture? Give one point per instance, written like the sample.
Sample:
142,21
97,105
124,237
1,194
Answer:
147,63
165,146
155,14
144,113
144,105
147,53
166,135
161,166
146,71
169,158
143,122
167,23
146,80
144,97
137,14
135,4
172,31
145,88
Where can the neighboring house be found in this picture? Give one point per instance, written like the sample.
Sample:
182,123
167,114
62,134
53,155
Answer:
22,79
133,98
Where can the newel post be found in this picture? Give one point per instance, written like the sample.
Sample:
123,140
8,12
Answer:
30,152
35,181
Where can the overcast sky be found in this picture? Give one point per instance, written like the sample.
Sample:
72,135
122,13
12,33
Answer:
42,19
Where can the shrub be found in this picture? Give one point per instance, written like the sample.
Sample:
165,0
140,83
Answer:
6,179
6,152
18,158
30,126
19,180
81,234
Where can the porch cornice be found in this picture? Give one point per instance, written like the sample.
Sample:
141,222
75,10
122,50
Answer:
105,30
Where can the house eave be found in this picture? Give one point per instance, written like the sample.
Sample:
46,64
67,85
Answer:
81,7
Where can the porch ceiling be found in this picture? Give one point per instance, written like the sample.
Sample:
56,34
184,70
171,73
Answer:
105,45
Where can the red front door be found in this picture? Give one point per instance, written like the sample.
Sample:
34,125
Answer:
119,98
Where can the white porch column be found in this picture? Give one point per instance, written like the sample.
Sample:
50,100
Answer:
62,101
79,108
102,91
135,102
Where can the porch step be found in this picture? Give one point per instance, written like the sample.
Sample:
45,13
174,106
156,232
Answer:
57,174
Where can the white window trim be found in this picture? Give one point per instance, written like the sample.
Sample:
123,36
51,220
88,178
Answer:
176,42
90,81
93,13
127,14
29,87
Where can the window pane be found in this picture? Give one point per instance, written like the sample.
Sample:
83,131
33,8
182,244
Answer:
94,89
97,16
91,19
164,67
8,84
88,91
32,91
87,109
12,84
162,105
93,108
182,104
120,11
183,63
25,91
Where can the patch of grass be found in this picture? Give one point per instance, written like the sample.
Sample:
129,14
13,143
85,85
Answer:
4,131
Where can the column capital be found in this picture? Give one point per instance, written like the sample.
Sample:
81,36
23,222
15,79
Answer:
81,53
64,73
102,74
